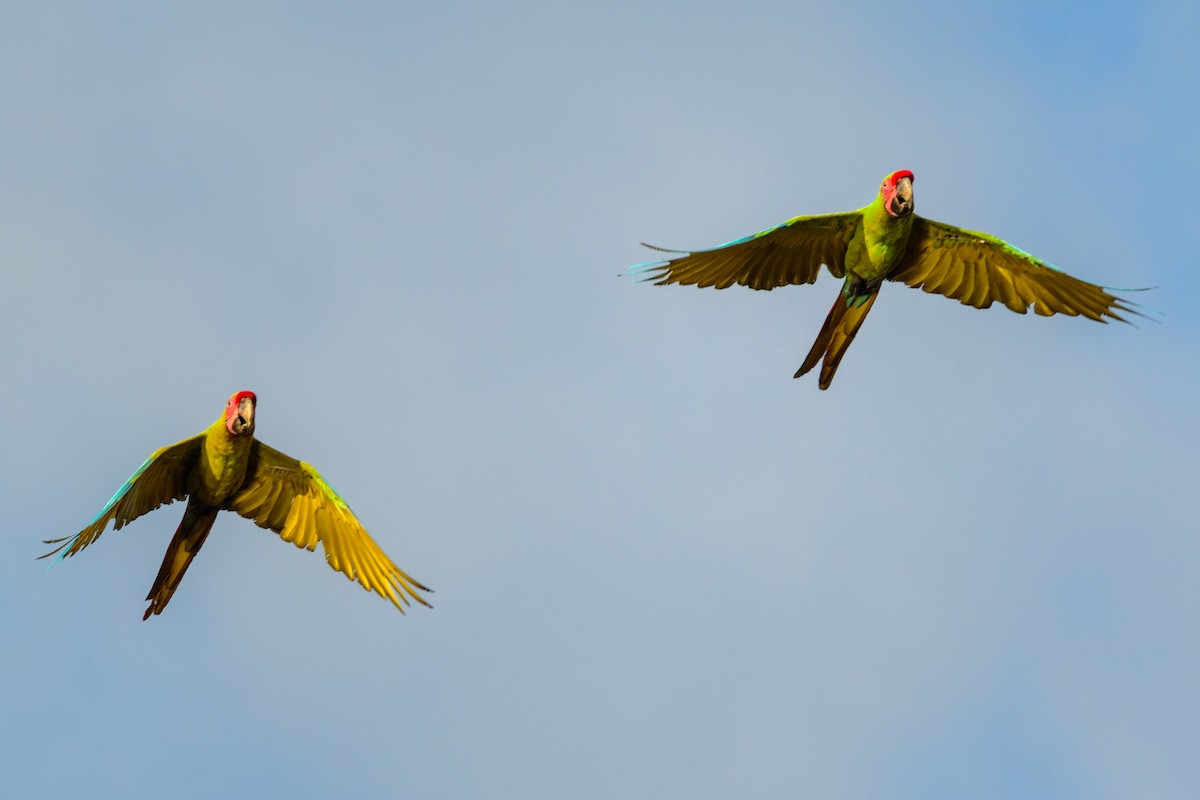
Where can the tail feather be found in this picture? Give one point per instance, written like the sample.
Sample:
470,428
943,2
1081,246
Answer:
839,330
189,538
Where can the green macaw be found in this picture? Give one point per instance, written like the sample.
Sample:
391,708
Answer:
225,468
885,241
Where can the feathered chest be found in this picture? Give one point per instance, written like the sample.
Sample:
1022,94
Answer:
221,470
878,245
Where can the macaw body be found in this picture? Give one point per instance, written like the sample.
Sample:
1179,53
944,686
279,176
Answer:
885,241
226,468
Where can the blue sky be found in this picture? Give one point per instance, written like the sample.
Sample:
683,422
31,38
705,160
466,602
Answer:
663,568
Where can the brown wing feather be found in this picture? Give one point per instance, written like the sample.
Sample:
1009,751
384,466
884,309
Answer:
791,253
161,479
978,269
291,498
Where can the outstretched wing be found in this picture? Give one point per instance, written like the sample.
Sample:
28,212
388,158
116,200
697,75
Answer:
160,480
291,498
978,269
791,253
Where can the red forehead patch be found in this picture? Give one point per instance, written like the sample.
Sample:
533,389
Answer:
237,398
895,177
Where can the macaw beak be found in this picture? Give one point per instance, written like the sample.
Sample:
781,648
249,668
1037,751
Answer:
902,199
242,420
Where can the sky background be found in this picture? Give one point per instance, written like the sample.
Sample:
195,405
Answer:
663,567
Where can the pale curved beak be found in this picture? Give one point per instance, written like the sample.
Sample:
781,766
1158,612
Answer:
902,200
244,422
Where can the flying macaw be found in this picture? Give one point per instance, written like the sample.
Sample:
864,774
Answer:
885,241
225,468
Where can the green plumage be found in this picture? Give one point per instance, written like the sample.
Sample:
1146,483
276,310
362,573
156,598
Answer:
884,241
878,244
220,466
226,468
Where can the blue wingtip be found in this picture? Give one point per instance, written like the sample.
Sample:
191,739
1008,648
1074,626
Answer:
66,548
638,269
62,554
112,501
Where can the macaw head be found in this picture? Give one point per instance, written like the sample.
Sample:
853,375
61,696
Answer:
239,414
896,191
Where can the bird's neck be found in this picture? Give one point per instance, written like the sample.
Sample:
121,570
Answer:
884,238
223,465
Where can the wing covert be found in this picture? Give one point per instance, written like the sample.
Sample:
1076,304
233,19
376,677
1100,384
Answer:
978,269
291,498
790,253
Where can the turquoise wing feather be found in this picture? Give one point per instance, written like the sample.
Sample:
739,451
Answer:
161,479
790,253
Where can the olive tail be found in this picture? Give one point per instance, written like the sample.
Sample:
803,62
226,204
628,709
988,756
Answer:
839,330
189,538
